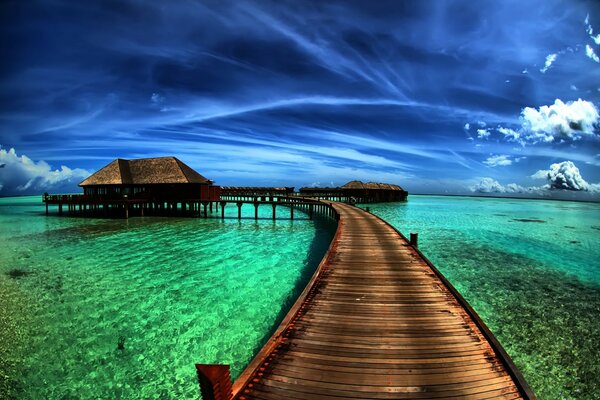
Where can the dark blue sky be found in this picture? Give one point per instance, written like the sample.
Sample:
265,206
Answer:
437,96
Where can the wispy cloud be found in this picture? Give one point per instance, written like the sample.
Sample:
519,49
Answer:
550,58
590,53
269,92
500,160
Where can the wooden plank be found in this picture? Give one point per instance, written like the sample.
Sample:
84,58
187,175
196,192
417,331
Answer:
378,322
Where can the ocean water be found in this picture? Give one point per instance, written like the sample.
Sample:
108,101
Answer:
122,309
531,270
176,291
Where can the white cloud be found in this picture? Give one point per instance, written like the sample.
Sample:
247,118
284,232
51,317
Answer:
488,185
550,58
467,126
500,160
560,120
482,133
590,30
591,54
509,134
573,87
564,175
21,175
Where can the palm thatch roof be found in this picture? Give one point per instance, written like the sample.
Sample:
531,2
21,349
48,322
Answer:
145,171
370,185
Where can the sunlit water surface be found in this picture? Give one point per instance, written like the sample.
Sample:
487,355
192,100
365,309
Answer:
531,270
175,291
169,292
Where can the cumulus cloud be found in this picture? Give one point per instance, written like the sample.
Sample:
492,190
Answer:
550,58
483,133
591,54
21,175
560,121
467,126
490,185
499,160
564,176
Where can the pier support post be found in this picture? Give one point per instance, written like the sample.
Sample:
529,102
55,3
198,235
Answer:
292,212
414,239
205,206
255,211
223,209
310,211
60,209
239,205
215,381
46,208
274,206
126,211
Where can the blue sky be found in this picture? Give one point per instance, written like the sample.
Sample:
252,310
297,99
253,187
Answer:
482,97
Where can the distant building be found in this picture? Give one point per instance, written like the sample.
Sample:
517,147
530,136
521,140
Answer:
357,191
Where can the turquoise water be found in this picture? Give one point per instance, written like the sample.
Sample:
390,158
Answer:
169,291
176,291
531,270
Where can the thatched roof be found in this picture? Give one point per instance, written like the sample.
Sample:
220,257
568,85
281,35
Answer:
144,171
370,185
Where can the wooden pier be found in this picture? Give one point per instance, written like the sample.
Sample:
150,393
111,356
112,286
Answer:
119,206
376,321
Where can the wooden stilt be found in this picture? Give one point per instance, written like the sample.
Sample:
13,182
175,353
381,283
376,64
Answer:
215,382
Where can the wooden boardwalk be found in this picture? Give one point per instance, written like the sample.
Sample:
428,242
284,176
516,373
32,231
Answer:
378,322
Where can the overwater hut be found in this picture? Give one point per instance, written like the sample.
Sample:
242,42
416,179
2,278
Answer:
161,185
160,178
370,192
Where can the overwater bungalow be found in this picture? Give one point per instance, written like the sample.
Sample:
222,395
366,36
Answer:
160,185
370,192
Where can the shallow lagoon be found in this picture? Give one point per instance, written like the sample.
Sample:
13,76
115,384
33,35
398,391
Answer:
173,291
179,291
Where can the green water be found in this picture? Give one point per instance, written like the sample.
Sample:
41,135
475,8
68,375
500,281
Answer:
531,270
173,291
180,291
